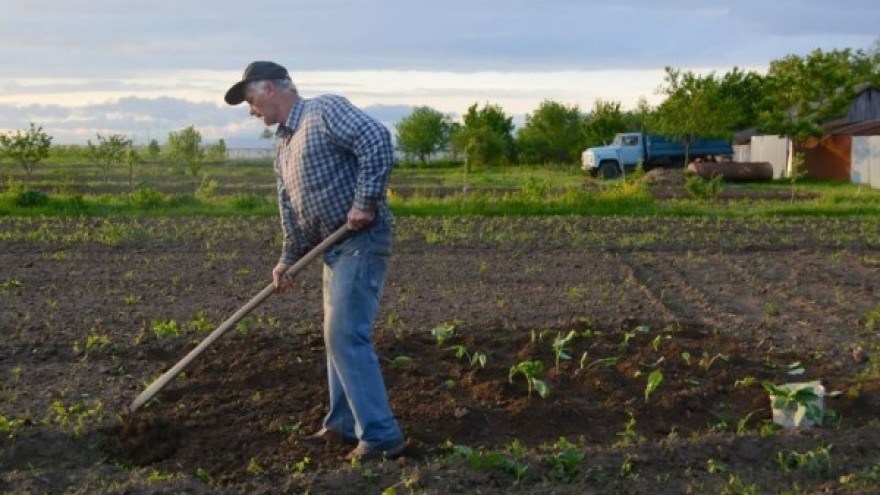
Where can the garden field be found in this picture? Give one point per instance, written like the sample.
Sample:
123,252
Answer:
555,354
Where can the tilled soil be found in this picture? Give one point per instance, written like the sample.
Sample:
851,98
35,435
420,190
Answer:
94,310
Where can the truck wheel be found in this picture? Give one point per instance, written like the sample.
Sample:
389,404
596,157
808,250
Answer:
609,170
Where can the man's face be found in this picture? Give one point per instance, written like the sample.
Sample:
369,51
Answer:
261,104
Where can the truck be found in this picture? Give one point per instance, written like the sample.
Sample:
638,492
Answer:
629,149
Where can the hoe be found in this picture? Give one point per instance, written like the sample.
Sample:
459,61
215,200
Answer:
169,375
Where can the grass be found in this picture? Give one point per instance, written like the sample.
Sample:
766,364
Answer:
246,188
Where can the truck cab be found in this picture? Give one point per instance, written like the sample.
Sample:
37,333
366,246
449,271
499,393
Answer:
608,162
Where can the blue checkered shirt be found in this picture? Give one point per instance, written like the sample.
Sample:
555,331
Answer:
329,156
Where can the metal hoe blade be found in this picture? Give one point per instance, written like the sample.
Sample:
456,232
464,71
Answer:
169,375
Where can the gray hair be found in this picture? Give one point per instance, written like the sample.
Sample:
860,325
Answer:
259,87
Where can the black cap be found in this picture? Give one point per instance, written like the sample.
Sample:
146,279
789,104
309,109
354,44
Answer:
256,71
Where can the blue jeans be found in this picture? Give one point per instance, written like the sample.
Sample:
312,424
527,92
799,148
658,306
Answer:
354,274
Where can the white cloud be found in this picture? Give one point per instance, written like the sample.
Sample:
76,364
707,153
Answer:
164,64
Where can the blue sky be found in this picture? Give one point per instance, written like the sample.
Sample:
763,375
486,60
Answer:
143,68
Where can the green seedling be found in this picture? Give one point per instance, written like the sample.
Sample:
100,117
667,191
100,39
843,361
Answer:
706,362
742,424
655,344
400,361
443,332
254,468
204,476
628,436
477,358
686,357
244,325
817,462
200,323
561,347
9,284
606,362
654,380
73,418
530,370
163,329
802,399
745,382
9,427
713,467
565,463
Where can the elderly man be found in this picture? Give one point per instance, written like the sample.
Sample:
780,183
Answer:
332,165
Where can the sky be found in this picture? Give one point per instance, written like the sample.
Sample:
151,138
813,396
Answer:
144,68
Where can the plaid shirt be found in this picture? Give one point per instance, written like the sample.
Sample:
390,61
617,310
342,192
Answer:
329,157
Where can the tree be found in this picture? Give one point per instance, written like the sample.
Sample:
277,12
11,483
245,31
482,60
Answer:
694,108
486,136
804,92
551,134
745,93
600,126
422,132
132,158
216,153
27,148
109,151
153,150
183,147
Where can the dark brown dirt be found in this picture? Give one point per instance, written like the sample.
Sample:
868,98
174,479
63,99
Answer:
706,302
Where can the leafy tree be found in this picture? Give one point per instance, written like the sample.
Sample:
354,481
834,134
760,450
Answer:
109,151
606,120
694,108
638,118
550,134
132,158
28,148
153,150
804,92
486,137
183,147
744,91
423,132
216,153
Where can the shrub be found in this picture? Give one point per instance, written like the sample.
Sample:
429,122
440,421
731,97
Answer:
247,202
31,197
147,198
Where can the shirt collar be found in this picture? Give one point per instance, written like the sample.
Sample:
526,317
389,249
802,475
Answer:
292,119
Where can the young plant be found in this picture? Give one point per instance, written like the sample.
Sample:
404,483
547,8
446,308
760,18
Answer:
801,400
9,427
565,463
477,358
628,436
817,462
400,361
443,332
531,370
168,328
606,362
706,362
654,380
561,347
73,418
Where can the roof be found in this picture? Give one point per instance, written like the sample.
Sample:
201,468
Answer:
866,128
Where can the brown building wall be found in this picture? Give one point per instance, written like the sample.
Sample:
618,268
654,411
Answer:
829,157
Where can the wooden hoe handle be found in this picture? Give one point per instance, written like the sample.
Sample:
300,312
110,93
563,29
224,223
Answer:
169,375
